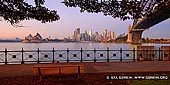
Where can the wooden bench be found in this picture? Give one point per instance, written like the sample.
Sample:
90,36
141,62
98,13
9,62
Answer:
165,53
58,70
145,53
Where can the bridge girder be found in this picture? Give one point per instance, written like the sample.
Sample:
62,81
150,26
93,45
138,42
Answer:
154,17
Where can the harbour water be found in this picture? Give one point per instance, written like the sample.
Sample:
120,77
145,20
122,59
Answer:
64,46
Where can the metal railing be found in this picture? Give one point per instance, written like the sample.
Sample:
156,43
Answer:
82,55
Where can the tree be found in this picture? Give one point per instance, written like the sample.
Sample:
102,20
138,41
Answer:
123,9
14,11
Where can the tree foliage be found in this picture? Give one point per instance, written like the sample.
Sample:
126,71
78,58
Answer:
15,11
123,9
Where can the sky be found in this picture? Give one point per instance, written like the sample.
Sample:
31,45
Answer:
72,18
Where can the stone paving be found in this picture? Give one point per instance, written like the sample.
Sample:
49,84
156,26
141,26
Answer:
99,67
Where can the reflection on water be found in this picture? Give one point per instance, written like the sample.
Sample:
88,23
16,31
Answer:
90,45
64,46
133,46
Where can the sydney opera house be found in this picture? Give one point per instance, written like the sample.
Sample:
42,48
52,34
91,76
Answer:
33,39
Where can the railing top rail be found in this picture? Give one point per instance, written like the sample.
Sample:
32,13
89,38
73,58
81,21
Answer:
86,50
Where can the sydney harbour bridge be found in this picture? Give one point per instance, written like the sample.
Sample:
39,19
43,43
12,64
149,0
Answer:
156,14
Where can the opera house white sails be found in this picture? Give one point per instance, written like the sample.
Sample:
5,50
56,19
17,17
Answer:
33,39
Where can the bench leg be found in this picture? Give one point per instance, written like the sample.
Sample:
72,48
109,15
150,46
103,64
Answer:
40,75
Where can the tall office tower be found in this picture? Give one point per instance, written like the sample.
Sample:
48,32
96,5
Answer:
85,31
93,38
97,36
113,36
101,37
74,36
90,34
78,34
82,36
78,30
105,34
109,36
86,36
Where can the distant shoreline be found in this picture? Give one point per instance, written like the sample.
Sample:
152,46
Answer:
10,41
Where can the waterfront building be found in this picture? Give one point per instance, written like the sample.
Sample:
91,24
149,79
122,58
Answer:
36,39
113,36
105,35
82,37
76,35
100,37
86,36
122,35
78,30
97,36
29,37
109,36
93,38
90,34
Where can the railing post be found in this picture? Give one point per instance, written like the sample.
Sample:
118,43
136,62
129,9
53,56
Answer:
67,55
6,61
38,56
22,60
81,55
159,59
134,54
94,55
107,54
121,54
53,55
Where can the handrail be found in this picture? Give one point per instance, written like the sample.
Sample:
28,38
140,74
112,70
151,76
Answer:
82,55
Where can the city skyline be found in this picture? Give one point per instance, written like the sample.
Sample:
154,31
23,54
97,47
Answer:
71,18
104,36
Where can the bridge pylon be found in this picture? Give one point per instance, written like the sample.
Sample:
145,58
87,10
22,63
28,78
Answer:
129,39
134,36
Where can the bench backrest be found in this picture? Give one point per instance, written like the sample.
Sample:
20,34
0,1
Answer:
165,52
145,52
62,69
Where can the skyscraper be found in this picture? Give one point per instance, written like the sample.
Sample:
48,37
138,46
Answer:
109,36
97,36
82,36
86,36
74,36
105,34
90,34
113,36
78,34
78,30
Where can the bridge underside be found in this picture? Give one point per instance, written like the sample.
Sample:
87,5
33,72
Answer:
152,19
157,16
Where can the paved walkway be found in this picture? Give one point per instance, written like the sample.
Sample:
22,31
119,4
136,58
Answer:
100,67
